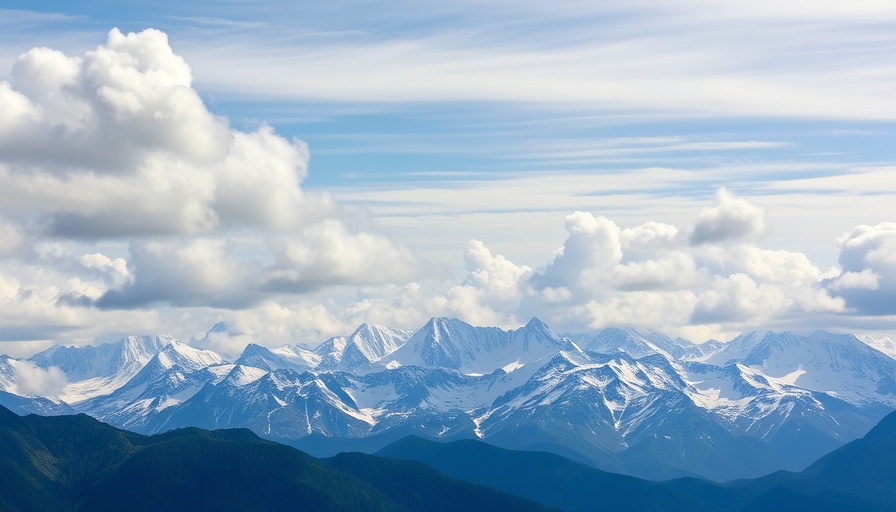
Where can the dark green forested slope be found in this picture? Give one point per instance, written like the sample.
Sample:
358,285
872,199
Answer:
417,486
544,477
858,477
75,463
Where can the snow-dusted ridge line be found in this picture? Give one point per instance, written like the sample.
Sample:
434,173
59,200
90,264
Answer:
607,398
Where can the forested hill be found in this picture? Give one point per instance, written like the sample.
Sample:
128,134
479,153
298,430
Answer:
75,463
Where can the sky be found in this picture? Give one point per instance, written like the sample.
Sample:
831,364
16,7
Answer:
702,168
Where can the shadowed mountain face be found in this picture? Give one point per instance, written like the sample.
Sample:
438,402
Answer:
856,477
543,477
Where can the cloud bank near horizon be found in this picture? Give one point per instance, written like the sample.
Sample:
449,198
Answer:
126,205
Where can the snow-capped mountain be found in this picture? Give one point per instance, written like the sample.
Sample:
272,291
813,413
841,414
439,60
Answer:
457,345
7,373
368,345
641,343
801,425
124,357
883,343
287,357
626,400
282,404
173,375
838,365
93,371
20,387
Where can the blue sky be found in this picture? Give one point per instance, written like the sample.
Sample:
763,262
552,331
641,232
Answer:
400,162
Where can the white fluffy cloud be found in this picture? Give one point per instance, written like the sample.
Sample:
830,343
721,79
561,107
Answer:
731,219
125,204
116,149
588,255
328,253
868,260
10,237
118,143
655,275
35,381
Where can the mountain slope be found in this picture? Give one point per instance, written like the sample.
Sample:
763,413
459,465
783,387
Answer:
432,490
864,468
542,477
839,365
456,345
857,477
75,463
642,343
367,345
634,401
282,358
173,375
93,371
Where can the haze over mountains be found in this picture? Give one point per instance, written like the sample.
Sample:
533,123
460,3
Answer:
622,400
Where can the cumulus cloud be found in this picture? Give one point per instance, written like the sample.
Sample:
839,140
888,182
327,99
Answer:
11,237
118,143
868,262
589,253
199,272
731,219
655,275
117,147
108,110
121,194
35,381
491,292
329,253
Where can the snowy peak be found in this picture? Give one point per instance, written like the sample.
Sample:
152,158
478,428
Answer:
441,342
537,333
242,375
456,345
642,343
536,325
629,341
218,328
124,357
7,373
835,364
183,356
286,357
747,345
882,343
369,344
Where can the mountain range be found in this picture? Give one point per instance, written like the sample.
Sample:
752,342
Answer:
75,463
628,401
